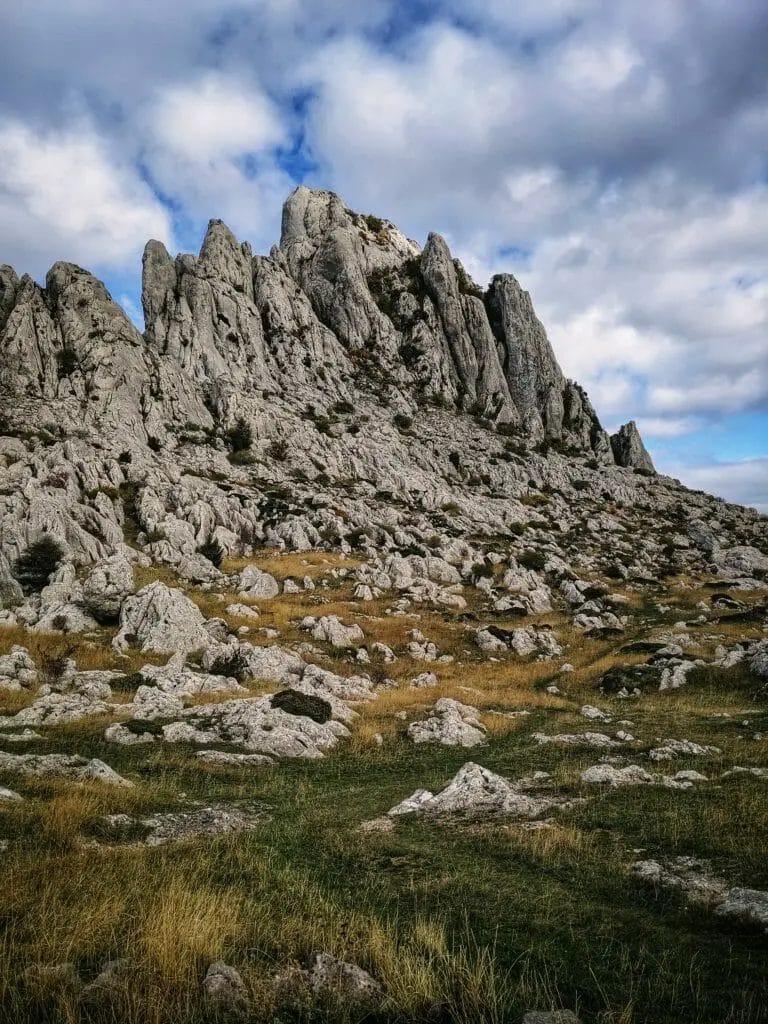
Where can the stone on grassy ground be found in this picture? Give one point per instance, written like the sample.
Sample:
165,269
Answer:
230,759
25,736
749,905
215,820
475,790
324,976
160,618
110,979
17,669
225,992
331,630
256,726
591,712
254,583
583,739
449,723
696,880
56,709
688,874
67,765
9,794
670,749
634,775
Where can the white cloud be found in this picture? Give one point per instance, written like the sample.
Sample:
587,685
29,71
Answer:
215,118
210,143
744,481
62,196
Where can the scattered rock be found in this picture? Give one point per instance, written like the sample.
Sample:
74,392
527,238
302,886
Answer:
450,723
475,790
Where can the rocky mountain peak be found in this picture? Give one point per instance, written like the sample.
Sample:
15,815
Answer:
345,302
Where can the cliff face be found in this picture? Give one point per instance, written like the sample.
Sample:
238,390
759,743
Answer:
345,302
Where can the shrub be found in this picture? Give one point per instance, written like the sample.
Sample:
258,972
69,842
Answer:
307,704
142,727
581,485
212,550
240,436
242,458
532,559
374,224
35,565
127,683
66,362
358,537
51,665
508,429
278,450
403,422
234,665
154,443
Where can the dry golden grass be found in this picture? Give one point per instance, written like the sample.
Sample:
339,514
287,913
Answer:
187,925
553,845
293,564
88,655
59,820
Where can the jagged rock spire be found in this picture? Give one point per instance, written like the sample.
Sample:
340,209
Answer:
629,450
346,302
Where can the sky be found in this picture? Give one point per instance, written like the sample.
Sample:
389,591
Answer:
613,155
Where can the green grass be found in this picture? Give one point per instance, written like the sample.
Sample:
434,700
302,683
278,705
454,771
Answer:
461,921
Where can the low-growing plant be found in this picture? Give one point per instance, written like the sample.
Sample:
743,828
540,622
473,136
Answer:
36,564
532,559
212,550
240,435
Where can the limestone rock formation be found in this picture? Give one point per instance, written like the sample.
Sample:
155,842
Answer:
629,450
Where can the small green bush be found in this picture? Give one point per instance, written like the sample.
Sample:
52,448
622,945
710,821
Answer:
374,224
240,436
234,665
66,362
212,550
35,565
306,704
532,559
278,450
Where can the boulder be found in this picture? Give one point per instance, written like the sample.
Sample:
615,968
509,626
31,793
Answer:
475,790
106,586
254,583
159,618
449,723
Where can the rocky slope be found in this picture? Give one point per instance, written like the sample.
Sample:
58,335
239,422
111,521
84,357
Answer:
347,367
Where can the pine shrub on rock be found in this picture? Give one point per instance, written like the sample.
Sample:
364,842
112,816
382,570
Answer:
213,551
35,565
293,702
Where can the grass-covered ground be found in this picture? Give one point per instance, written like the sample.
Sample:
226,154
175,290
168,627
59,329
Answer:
459,920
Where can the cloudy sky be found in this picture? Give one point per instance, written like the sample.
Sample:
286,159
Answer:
612,154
